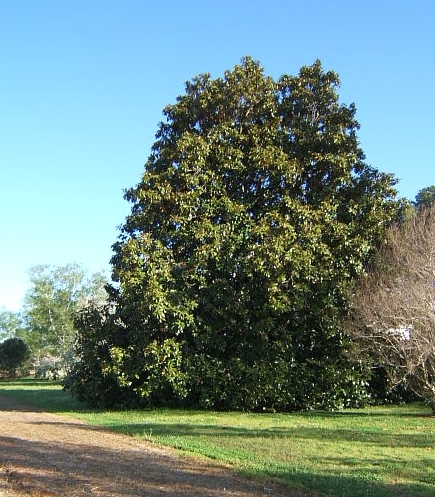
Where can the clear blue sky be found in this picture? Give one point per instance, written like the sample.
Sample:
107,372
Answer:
83,84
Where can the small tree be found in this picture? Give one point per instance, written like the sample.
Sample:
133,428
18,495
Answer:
425,197
394,318
13,353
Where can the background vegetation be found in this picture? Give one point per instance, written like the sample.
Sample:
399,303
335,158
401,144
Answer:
46,321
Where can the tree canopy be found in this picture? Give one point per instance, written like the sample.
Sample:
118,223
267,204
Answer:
425,197
10,324
55,295
254,216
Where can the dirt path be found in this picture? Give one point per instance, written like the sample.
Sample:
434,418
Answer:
44,455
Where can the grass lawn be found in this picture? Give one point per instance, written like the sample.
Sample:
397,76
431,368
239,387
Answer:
373,452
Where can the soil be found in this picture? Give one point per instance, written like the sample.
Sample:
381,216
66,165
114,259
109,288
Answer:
45,455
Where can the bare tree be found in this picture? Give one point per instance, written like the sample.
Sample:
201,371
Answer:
394,306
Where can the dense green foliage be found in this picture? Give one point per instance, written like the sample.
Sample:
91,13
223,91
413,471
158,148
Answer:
13,353
254,216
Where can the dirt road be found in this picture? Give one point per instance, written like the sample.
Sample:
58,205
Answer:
44,455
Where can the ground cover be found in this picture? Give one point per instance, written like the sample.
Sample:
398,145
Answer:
375,452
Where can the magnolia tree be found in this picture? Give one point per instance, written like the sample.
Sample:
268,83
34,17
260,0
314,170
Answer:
254,215
394,319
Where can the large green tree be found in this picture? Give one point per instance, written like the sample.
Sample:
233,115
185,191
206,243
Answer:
255,213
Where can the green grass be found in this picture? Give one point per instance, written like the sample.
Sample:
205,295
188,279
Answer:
375,452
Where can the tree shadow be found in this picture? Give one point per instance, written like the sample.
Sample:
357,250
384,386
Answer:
334,485
36,399
380,439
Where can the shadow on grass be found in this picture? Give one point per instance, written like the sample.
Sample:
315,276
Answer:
348,486
380,439
37,395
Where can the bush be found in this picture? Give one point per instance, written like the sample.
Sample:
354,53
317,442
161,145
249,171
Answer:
13,353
